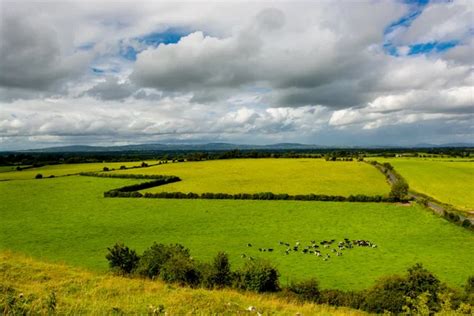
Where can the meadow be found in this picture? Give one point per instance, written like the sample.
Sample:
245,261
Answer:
449,181
78,292
292,176
67,220
9,173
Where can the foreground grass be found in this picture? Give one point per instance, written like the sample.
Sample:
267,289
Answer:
292,176
78,291
449,181
67,219
10,173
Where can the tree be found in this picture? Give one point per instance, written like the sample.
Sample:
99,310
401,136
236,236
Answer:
222,274
399,190
122,258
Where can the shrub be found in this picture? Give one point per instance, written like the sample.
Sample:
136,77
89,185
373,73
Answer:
39,176
181,269
122,259
399,190
469,287
466,223
259,276
123,167
105,169
153,259
307,290
221,273
388,294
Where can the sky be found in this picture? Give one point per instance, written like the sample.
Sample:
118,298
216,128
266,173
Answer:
337,73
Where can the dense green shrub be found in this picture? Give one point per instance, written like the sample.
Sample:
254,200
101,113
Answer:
156,256
182,269
394,292
399,190
39,176
388,294
122,259
258,276
340,298
466,223
218,274
307,290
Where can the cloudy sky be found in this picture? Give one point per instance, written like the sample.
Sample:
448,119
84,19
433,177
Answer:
317,72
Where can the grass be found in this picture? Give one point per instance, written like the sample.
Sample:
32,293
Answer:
451,182
79,292
292,176
6,172
67,219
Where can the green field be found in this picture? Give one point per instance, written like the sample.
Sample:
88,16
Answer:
6,172
292,176
67,219
447,180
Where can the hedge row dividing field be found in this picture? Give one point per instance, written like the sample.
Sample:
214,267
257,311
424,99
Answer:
449,181
67,219
279,176
66,169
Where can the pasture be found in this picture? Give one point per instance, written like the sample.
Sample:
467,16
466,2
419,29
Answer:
9,173
449,181
292,176
66,219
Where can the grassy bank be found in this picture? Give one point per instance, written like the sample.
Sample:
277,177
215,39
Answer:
69,290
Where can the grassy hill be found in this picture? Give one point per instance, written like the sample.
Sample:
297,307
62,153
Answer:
69,290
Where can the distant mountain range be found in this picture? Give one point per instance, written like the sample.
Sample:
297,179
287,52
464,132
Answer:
218,147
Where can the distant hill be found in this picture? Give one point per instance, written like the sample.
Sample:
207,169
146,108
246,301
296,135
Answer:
221,147
167,147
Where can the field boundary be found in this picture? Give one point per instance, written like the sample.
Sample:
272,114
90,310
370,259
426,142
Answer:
446,211
158,180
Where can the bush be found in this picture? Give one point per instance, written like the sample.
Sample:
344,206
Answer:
153,259
466,223
258,276
122,259
307,290
341,298
399,190
469,287
221,273
180,268
388,294
105,169
39,176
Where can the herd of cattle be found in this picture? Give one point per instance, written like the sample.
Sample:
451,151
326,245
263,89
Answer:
316,248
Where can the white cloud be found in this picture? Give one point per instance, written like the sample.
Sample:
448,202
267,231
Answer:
261,71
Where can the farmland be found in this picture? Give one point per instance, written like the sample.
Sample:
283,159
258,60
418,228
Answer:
292,176
447,180
67,220
8,173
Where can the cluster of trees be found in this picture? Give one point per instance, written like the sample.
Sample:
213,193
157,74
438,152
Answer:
456,219
417,292
174,264
399,190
